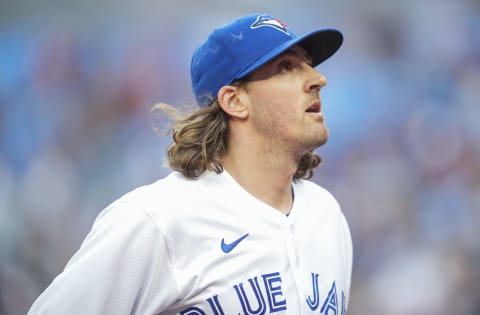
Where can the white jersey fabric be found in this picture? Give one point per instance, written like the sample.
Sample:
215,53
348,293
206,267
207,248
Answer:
207,246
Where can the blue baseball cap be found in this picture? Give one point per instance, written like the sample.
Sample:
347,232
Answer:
236,49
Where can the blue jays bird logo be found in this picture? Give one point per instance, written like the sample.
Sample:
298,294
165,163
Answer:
266,20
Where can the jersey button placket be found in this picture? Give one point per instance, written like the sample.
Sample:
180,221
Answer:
293,258
292,238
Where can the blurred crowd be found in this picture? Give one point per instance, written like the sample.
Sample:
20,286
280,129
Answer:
403,159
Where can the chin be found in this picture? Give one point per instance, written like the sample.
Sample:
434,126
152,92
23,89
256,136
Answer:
317,142
322,141
315,139
323,137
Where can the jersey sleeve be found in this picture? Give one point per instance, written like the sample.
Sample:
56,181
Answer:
122,267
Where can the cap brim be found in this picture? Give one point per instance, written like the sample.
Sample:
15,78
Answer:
321,45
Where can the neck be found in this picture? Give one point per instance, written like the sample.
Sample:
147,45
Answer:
267,175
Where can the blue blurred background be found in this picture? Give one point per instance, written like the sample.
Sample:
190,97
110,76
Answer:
78,79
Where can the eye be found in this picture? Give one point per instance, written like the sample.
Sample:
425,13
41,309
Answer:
285,66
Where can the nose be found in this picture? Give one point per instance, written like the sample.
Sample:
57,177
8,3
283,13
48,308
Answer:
315,81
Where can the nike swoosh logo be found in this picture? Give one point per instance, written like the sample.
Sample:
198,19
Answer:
227,248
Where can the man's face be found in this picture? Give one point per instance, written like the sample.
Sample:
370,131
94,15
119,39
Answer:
284,102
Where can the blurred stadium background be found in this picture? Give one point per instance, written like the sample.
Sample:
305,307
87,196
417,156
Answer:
78,78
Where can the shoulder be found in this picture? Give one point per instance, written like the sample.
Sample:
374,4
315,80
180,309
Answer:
313,191
321,208
171,197
163,191
318,202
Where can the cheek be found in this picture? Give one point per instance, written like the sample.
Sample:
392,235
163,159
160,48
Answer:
276,116
277,102
275,107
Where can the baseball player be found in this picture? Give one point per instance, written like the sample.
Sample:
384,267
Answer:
236,228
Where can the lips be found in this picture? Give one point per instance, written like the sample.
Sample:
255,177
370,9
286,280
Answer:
314,108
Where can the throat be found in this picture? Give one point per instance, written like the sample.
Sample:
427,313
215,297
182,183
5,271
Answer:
274,191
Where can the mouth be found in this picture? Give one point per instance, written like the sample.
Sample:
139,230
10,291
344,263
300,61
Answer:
314,108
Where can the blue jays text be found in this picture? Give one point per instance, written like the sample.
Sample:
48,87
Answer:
263,295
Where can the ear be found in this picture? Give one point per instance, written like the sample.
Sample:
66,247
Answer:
231,101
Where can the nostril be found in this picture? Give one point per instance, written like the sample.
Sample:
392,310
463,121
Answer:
316,83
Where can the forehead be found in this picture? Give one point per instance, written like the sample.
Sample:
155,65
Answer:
266,69
296,51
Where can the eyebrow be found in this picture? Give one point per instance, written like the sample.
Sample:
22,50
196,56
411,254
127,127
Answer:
301,55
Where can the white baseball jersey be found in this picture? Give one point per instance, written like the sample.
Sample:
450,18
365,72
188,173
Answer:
208,247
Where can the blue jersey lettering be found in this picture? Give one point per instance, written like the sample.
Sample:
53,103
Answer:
192,311
253,298
330,303
276,301
215,305
245,302
314,302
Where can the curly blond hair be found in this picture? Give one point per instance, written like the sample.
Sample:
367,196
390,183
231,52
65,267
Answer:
200,142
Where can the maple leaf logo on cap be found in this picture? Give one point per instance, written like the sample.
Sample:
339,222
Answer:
267,20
